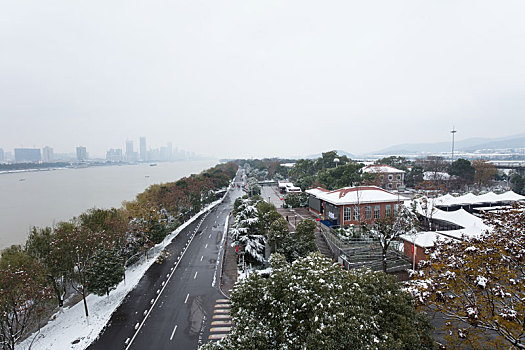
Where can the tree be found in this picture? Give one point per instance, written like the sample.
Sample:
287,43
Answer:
314,304
414,176
278,234
296,200
463,169
39,246
106,272
518,183
484,172
395,161
304,239
78,247
479,285
342,176
267,214
23,295
247,229
388,229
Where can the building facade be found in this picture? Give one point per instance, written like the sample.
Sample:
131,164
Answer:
47,154
143,151
81,154
31,155
385,176
353,205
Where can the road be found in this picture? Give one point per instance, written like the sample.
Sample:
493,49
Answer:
173,304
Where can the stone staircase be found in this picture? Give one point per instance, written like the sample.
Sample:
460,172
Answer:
322,246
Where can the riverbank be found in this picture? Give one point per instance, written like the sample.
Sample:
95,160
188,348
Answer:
43,198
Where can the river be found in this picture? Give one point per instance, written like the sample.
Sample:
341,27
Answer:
42,198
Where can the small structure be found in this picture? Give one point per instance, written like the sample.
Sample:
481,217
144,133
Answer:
451,225
288,187
353,205
386,176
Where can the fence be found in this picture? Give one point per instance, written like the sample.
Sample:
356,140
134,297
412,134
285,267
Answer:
365,251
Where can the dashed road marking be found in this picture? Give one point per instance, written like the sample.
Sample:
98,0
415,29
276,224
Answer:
196,272
186,300
173,333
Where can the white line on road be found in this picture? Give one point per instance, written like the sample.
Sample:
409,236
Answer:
187,296
196,272
202,257
206,246
173,333
209,236
158,296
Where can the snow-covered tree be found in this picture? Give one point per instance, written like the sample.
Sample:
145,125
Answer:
391,227
247,231
314,304
479,285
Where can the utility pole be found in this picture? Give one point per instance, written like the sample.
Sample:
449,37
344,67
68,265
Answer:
453,132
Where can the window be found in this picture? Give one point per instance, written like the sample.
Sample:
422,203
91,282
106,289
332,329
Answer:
390,177
388,210
368,212
398,177
381,177
377,212
356,214
396,208
389,185
348,213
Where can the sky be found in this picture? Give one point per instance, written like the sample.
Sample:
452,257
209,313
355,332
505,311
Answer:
238,78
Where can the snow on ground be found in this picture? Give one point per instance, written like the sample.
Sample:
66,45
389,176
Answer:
71,325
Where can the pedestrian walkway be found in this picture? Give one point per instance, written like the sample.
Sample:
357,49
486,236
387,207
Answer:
221,320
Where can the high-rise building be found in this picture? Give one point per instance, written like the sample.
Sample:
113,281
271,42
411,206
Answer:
81,154
114,155
27,155
1,155
143,152
47,154
170,151
130,155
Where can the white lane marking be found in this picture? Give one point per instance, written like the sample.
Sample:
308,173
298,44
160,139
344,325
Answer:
196,272
224,234
159,294
206,246
187,296
173,333
202,257
209,236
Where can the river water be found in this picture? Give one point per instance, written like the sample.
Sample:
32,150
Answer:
42,198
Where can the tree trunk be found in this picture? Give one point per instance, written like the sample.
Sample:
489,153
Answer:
85,301
384,261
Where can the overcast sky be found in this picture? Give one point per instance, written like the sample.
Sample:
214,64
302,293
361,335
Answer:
259,78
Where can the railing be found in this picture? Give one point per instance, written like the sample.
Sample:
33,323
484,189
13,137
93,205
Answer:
359,252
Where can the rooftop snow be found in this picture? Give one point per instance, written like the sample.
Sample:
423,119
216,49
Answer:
379,168
355,195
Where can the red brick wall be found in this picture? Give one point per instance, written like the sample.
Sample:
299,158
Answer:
362,212
420,252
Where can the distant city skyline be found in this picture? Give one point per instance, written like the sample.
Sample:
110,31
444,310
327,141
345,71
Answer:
127,153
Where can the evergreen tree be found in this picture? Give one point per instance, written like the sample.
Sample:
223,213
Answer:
314,304
106,272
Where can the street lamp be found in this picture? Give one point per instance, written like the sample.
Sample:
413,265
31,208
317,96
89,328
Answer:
453,132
